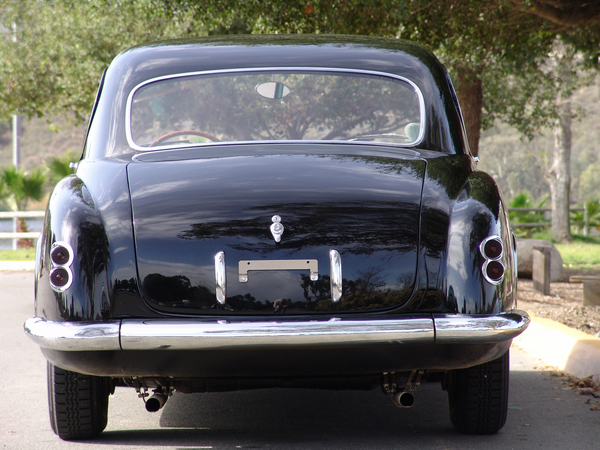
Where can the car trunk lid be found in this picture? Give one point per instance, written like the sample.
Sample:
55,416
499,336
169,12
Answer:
188,211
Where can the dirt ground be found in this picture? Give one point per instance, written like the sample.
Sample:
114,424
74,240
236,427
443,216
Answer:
564,304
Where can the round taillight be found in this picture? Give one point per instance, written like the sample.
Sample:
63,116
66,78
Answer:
495,271
492,248
60,255
60,278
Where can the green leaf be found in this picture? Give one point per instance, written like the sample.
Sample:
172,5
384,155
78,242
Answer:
59,166
21,187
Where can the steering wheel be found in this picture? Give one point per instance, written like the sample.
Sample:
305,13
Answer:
167,136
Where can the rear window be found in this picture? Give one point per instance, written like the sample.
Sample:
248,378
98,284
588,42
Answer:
274,105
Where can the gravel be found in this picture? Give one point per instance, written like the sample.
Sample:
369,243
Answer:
564,304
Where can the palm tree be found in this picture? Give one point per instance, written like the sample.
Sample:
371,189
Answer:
524,200
4,191
17,189
593,213
60,166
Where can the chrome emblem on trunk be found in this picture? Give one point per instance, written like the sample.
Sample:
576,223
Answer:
277,228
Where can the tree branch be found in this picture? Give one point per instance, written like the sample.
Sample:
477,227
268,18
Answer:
563,13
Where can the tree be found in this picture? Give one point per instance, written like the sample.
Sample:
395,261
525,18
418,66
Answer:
61,49
566,73
17,189
524,200
546,100
62,46
473,38
480,41
566,13
579,45
60,166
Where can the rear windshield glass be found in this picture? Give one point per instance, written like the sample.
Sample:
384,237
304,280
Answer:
282,105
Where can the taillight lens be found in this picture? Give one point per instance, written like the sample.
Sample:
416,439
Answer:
491,248
495,271
61,258
60,278
60,255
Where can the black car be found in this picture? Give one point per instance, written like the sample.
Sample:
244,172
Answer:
276,211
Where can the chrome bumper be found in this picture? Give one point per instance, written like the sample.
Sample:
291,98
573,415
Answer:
188,334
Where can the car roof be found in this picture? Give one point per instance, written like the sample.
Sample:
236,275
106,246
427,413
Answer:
254,51
387,55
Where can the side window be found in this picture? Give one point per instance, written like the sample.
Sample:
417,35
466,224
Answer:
460,116
94,108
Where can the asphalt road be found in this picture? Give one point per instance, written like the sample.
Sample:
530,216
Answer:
543,414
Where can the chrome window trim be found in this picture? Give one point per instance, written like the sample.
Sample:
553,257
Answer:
129,103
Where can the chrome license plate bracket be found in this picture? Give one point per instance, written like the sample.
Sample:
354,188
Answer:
246,266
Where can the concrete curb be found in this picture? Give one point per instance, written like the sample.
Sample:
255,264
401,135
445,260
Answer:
557,345
17,265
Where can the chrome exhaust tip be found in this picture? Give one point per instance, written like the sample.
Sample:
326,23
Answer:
156,402
403,399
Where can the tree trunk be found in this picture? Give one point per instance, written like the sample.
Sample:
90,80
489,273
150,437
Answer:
470,96
559,176
22,228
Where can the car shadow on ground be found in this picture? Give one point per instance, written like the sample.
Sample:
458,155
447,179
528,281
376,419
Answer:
540,410
291,417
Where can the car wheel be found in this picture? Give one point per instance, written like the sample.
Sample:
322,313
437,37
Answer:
78,403
478,397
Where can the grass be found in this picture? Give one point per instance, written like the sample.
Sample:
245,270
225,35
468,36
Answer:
582,253
18,255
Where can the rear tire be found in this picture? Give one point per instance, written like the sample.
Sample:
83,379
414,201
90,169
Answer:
78,403
478,397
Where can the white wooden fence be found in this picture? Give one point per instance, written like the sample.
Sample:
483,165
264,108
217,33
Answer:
25,215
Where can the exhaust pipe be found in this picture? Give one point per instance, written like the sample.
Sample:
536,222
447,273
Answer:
403,399
156,402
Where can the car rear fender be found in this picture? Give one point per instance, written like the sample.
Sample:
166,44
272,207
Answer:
91,213
73,223
477,214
